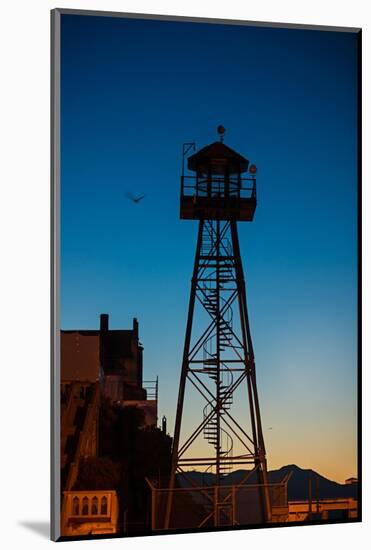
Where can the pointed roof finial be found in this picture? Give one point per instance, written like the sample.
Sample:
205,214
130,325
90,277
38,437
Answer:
221,131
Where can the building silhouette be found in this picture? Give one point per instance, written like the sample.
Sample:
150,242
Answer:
97,366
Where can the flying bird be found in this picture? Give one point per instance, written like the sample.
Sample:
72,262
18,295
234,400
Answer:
133,198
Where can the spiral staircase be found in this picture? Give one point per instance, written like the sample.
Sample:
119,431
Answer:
212,351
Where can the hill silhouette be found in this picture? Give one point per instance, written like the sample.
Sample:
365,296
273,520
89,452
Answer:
298,484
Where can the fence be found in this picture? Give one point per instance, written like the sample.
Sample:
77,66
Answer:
215,506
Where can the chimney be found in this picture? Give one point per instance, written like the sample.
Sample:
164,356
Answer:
135,327
164,427
102,340
104,322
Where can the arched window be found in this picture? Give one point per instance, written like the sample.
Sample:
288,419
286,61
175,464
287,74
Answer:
75,506
103,506
94,506
85,506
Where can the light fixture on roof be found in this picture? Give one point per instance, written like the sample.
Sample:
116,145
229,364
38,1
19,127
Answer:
221,131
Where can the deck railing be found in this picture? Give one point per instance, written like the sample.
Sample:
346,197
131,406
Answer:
218,187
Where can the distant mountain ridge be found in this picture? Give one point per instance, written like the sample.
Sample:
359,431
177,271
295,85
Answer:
298,485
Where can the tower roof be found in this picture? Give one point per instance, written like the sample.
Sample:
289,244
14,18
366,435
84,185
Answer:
217,152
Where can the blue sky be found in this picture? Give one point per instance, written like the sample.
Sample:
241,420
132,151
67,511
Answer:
132,92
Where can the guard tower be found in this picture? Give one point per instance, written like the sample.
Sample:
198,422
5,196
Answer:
218,188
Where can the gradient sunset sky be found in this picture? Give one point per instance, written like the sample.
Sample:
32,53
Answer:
132,92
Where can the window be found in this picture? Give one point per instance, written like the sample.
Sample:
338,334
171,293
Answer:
85,506
103,506
75,506
94,506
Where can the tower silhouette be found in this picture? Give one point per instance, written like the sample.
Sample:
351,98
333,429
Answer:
218,188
